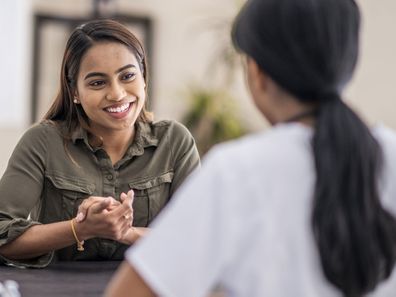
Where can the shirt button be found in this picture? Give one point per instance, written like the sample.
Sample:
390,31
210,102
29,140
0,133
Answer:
109,177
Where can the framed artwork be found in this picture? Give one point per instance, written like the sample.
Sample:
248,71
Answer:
50,36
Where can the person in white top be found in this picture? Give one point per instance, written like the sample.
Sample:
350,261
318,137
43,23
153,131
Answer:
304,209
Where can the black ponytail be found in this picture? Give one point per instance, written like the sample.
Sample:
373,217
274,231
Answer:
355,235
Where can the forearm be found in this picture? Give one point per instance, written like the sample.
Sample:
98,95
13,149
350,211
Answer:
39,240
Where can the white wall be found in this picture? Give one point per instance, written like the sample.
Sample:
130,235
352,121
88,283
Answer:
184,43
373,90
14,74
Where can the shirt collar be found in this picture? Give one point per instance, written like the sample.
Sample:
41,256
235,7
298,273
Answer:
144,137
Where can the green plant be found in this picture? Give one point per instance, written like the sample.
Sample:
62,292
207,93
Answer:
212,118
213,115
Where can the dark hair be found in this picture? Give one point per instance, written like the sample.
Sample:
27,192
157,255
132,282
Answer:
80,41
310,49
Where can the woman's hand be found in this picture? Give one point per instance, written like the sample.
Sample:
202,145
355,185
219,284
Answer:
106,219
87,203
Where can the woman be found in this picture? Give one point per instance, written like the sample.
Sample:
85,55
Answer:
72,178
304,209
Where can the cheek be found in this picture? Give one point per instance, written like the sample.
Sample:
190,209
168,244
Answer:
87,109
141,94
142,100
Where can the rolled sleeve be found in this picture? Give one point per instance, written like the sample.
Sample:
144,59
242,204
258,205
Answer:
11,229
20,192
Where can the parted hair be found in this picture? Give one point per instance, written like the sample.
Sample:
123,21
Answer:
80,41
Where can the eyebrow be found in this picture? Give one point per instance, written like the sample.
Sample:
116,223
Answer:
91,74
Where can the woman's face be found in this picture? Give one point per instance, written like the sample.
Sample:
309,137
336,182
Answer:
110,88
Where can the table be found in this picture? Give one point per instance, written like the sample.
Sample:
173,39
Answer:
61,279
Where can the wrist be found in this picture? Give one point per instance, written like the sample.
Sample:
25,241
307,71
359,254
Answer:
79,241
131,236
81,231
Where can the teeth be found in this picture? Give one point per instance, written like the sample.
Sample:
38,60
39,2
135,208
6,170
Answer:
121,108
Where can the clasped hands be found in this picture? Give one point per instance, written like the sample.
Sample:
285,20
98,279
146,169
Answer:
105,217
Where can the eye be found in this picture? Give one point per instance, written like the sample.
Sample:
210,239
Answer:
128,76
97,83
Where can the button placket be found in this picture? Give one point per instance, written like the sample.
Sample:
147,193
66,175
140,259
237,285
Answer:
108,175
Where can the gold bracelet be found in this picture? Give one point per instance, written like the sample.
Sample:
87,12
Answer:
80,244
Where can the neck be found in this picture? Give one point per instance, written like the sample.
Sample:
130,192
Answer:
290,109
116,143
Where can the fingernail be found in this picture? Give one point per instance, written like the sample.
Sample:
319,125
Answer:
79,217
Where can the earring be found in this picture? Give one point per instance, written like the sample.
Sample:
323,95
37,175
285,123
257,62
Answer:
75,100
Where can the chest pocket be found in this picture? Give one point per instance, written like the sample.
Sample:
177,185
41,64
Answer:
71,192
151,195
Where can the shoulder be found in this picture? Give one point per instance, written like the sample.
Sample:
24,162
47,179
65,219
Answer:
283,141
170,127
36,142
385,136
39,132
278,152
172,131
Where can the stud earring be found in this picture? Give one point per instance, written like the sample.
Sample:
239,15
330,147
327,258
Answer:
75,100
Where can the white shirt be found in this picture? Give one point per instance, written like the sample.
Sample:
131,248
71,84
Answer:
243,221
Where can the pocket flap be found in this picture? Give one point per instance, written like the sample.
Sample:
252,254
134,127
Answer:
71,183
152,182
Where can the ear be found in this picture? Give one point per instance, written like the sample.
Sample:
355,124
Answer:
258,79
76,98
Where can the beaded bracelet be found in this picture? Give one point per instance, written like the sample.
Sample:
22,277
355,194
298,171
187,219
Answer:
80,244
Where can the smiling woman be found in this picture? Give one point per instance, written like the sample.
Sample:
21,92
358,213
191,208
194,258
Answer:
111,91
87,181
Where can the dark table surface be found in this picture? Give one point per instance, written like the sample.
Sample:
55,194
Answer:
62,279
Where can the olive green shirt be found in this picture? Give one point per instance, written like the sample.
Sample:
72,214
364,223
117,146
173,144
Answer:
47,179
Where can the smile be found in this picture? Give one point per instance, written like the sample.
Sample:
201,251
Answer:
118,109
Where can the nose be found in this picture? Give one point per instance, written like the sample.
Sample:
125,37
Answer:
116,92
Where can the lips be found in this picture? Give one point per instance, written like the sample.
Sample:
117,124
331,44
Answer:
118,109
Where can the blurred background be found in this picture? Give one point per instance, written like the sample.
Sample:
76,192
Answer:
196,77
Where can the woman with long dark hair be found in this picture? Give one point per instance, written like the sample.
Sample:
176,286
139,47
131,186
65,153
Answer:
87,181
304,209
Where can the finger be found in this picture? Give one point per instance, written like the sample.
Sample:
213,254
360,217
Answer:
128,216
114,203
123,196
83,208
124,209
80,217
131,196
101,205
127,199
87,203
